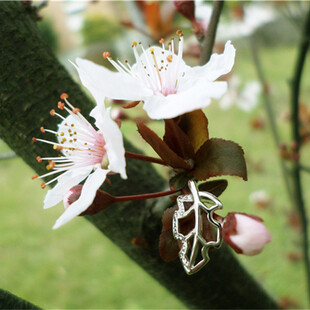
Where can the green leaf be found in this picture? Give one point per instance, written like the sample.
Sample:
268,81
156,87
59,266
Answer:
195,125
161,148
216,187
219,157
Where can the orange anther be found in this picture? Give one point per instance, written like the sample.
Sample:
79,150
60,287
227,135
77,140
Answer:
169,58
179,32
134,44
52,112
39,159
51,164
42,129
161,41
34,139
76,110
64,96
106,55
34,176
60,105
43,185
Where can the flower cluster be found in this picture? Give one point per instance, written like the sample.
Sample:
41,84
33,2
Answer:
171,91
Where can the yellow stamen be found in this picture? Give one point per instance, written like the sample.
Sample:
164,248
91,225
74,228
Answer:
156,65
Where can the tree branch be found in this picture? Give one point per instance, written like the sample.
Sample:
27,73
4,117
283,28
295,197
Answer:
209,39
31,80
296,175
271,116
10,301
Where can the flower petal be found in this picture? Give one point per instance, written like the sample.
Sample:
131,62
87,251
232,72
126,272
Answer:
194,98
219,64
88,194
114,140
64,184
102,82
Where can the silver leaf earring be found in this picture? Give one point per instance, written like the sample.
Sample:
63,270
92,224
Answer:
194,252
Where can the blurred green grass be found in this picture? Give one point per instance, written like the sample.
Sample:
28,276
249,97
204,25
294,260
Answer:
78,267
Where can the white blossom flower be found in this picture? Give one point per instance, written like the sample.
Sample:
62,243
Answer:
245,98
86,153
260,198
160,78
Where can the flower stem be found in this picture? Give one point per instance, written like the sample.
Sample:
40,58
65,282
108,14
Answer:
145,158
145,196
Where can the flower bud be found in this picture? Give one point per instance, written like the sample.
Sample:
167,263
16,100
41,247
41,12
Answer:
186,8
117,113
72,195
245,233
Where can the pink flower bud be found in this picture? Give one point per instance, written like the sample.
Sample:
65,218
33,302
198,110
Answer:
245,233
118,114
72,195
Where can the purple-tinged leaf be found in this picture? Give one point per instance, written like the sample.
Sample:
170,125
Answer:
219,157
216,187
168,246
161,148
195,125
177,140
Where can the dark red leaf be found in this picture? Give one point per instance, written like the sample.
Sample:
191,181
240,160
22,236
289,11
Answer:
216,187
167,217
161,148
219,157
177,140
168,246
195,125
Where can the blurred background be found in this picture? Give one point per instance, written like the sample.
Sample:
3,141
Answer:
76,266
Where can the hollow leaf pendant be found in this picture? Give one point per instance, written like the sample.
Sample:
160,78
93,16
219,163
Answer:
194,252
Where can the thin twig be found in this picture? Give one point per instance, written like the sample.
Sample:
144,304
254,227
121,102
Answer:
296,175
145,158
145,196
208,42
270,115
304,168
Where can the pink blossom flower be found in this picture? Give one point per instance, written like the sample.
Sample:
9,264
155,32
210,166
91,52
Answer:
245,233
160,78
87,153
